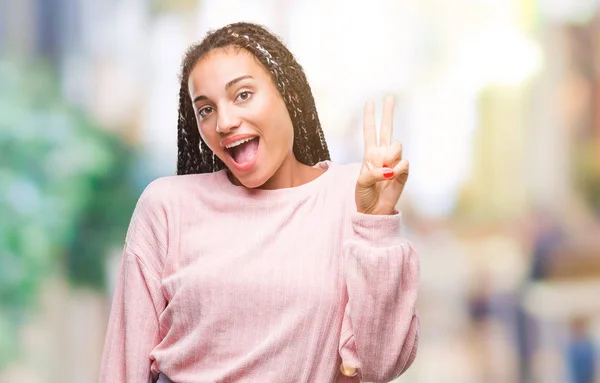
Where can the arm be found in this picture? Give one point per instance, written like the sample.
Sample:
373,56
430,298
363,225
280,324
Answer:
380,329
133,328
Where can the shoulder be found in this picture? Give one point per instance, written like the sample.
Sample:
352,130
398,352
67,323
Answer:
344,173
342,183
164,191
160,207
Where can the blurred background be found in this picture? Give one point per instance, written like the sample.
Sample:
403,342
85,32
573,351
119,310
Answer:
498,108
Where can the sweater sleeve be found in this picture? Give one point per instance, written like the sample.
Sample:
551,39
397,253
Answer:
380,329
133,326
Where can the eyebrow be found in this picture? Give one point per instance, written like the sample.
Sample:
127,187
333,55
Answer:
227,86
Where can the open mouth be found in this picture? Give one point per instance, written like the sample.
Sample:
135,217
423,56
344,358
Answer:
244,151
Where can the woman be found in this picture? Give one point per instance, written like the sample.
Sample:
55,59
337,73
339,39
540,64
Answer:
262,260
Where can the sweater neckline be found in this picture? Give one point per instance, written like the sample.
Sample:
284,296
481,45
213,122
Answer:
304,189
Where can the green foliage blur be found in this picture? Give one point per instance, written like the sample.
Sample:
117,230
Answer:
66,193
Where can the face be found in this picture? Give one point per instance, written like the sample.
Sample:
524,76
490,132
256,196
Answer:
241,115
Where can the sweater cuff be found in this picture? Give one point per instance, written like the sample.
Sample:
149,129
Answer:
377,230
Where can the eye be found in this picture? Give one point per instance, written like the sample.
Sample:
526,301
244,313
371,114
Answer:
204,112
244,96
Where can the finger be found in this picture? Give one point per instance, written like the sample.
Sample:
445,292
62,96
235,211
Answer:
401,171
393,154
369,125
385,138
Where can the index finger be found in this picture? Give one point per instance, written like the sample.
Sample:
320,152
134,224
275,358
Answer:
369,125
387,122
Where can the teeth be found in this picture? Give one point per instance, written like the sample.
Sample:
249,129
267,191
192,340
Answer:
239,142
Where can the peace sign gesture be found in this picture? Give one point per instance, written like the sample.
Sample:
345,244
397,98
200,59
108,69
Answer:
384,172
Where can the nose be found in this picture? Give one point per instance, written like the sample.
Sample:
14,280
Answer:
227,119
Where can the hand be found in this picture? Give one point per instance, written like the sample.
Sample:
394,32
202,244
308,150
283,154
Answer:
384,172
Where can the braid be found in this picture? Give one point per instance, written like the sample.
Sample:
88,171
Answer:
309,147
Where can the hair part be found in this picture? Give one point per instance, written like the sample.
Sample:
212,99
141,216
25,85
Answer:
194,156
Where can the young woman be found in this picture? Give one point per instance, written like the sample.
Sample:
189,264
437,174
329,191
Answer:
263,261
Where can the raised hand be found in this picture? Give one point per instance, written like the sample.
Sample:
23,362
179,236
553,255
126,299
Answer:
384,172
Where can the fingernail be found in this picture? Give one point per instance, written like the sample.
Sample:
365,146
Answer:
388,173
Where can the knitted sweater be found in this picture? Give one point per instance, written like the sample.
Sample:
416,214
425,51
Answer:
220,283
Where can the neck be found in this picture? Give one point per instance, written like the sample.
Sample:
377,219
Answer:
291,173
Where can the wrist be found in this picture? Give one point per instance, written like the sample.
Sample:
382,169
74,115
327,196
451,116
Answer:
377,210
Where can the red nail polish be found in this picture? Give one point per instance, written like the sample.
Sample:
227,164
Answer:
385,166
389,174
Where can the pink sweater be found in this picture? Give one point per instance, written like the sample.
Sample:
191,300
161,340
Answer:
219,283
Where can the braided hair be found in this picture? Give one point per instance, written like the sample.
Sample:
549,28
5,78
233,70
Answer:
194,156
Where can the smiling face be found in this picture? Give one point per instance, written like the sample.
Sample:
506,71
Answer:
241,116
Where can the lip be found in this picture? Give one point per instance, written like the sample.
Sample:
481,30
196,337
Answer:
236,137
